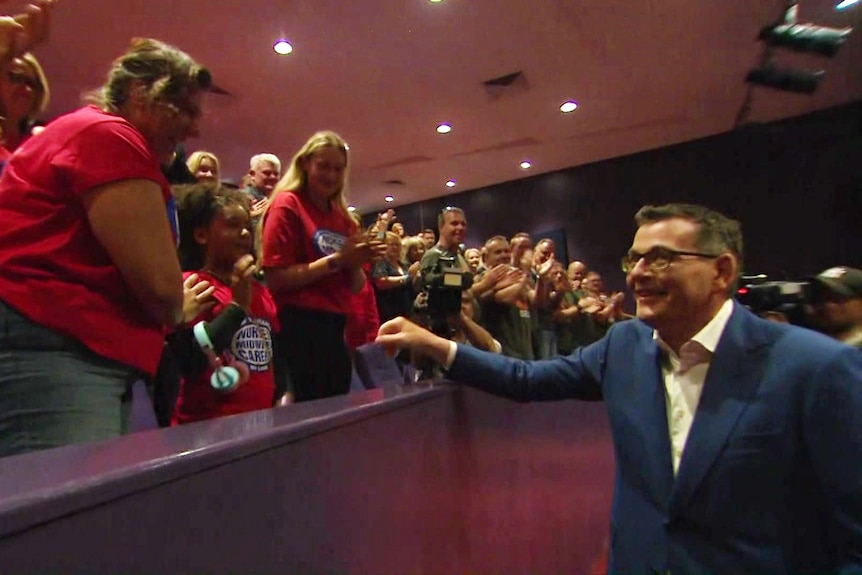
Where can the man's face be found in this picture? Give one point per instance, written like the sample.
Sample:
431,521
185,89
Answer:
474,258
518,246
542,252
834,314
429,239
593,282
454,229
264,178
560,279
497,252
576,273
680,299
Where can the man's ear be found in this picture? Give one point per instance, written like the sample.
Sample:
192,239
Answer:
727,270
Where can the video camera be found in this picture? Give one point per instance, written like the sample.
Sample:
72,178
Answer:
444,286
789,298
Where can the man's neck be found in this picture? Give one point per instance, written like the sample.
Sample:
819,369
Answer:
675,336
443,247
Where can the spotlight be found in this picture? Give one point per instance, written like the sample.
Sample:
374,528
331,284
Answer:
806,37
786,79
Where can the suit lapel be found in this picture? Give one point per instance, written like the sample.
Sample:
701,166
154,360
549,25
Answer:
651,410
731,383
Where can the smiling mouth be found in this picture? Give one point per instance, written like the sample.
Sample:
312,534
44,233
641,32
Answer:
646,293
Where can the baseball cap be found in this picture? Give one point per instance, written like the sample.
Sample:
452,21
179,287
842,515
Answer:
841,280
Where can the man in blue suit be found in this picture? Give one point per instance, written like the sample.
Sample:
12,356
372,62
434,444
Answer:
738,441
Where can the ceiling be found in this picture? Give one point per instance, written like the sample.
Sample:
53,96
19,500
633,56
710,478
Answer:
385,73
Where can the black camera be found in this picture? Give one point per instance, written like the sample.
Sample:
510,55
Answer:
444,286
789,298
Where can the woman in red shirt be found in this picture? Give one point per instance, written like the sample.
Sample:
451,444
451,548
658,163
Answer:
312,255
89,275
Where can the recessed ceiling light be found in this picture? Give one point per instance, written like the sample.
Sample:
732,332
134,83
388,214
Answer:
351,208
444,129
389,199
282,47
525,165
569,106
846,4
450,184
435,1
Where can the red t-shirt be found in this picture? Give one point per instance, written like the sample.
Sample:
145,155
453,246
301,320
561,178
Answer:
251,345
52,268
295,231
363,320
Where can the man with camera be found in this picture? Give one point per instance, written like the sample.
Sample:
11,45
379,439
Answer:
452,224
838,304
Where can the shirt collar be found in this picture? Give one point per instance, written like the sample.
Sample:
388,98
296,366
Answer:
709,335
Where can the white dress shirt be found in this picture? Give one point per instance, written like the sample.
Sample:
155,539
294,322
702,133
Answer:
683,383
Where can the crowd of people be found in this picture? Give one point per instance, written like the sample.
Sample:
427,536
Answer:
737,439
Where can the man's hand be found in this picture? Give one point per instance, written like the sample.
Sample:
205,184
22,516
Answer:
546,267
399,333
385,219
511,277
258,207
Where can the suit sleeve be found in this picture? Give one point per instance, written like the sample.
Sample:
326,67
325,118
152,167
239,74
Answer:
577,376
833,434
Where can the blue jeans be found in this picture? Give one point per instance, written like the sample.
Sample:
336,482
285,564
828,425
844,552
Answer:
54,391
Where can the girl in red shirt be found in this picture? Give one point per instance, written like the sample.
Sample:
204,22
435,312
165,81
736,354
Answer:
312,255
217,244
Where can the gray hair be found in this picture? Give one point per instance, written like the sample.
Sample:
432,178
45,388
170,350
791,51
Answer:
259,159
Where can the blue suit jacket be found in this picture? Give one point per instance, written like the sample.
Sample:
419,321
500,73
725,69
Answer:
771,477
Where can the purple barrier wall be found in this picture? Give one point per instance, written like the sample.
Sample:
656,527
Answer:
414,480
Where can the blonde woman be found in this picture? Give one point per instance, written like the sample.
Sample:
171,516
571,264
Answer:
204,166
312,255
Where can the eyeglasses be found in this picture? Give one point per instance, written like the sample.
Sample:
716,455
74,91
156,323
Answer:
23,79
658,259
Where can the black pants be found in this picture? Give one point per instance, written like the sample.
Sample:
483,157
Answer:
317,360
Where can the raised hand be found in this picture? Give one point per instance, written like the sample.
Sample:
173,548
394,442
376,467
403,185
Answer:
258,207
241,280
546,267
20,33
511,277
413,270
360,249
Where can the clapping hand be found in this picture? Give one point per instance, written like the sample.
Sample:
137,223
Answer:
258,207
19,33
